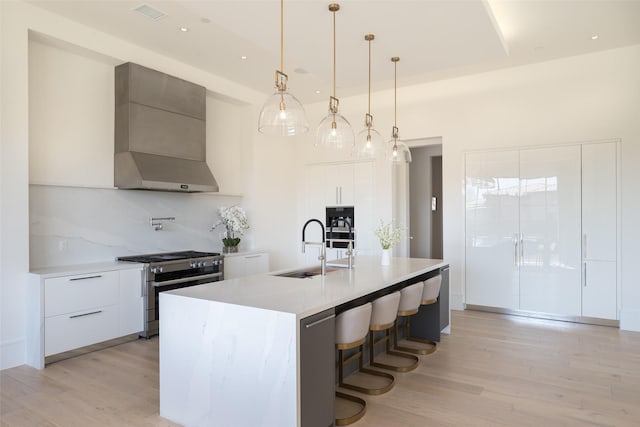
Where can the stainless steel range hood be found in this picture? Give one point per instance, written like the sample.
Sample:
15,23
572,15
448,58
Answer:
160,132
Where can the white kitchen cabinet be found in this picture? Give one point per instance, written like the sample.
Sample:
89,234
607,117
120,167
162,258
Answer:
247,264
599,230
131,302
550,230
81,307
492,229
541,230
364,208
341,184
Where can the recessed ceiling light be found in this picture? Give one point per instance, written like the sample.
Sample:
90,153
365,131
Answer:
184,29
317,91
594,37
243,57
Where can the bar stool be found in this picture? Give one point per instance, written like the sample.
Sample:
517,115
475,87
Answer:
430,293
383,317
351,332
410,298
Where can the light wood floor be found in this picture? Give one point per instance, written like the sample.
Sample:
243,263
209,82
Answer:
493,370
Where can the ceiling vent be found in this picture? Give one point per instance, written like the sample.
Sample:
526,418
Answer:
150,12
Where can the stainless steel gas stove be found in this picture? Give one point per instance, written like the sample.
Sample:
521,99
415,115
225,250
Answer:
174,270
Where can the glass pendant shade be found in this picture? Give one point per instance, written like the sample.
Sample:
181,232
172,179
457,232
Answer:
282,114
369,143
399,152
335,131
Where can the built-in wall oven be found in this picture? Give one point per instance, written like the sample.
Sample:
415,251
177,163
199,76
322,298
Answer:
340,227
173,270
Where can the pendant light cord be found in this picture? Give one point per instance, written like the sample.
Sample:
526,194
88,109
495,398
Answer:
395,93
334,53
369,102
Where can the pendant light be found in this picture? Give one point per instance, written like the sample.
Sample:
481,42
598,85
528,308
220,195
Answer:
282,113
399,152
369,141
334,130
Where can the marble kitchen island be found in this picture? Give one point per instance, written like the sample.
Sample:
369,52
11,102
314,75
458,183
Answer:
258,350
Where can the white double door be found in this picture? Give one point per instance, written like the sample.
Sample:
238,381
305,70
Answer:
524,230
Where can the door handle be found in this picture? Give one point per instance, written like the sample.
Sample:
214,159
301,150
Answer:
521,248
515,249
85,314
85,278
584,245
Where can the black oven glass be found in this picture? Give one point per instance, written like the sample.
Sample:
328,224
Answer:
163,288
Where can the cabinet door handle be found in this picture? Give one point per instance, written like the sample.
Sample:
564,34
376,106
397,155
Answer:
585,274
252,256
85,314
515,249
522,248
340,194
584,245
317,322
85,278
337,202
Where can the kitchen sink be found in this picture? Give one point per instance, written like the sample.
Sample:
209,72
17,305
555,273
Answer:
303,274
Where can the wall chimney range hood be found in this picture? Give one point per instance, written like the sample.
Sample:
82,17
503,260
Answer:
160,132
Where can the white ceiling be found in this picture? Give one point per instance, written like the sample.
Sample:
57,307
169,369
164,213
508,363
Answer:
435,39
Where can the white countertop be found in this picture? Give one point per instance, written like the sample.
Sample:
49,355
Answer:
304,297
69,270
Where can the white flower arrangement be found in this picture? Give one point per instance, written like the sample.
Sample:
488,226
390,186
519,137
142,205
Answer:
235,221
388,234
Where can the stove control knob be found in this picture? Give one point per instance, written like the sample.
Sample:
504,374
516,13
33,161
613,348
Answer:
193,264
154,270
201,264
160,269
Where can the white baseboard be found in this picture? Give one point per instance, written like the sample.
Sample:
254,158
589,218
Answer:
11,354
630,320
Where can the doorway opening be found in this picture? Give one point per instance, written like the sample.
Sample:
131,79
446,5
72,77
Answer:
425,200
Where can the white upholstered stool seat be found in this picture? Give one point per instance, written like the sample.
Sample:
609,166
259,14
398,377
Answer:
351,332
431,290
430,293
383,317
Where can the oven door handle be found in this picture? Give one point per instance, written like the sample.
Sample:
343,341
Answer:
185,280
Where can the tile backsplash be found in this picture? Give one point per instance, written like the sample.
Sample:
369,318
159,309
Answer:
74,225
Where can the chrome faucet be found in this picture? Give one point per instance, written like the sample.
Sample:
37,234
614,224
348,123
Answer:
323,250
349,252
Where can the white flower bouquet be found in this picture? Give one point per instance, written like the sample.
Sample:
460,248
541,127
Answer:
388,234
235,221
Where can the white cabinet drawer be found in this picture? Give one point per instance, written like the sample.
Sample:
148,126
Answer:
73,330
82,292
